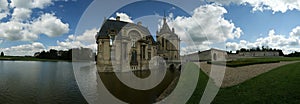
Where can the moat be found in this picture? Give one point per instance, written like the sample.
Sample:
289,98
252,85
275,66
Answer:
95,85
32,82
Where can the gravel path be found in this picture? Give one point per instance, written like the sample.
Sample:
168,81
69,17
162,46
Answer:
234,76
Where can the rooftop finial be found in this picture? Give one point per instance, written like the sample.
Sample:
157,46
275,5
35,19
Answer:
165,20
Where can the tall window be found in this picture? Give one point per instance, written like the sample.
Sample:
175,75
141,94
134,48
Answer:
133,60
149,55
163,42
144,51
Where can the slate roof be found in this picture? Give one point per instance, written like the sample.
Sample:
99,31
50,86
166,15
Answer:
166,29
117,26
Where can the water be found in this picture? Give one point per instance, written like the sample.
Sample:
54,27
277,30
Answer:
131,95
106,87
31,82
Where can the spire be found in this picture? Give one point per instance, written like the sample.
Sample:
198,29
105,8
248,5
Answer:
165,20
165,27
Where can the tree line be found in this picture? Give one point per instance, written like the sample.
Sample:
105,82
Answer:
54,54
294,54
263,48
78,54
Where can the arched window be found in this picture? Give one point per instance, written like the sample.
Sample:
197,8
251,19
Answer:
134,36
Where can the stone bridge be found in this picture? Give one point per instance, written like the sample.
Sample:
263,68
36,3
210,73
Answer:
174,64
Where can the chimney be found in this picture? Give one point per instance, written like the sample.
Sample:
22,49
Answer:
118,18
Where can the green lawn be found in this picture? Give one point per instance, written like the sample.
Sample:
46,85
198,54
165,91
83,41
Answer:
253,61
279,86
202,81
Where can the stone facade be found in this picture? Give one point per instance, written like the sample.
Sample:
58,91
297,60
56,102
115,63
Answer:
129,46
208,55
258,54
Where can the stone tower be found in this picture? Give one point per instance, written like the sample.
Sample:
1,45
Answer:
169,42
124,46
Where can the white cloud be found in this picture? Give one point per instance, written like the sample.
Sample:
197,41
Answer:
123,17
86,40
88,36
3,9
261,5
206,26
20,25
14,30
30,4
225,2
47,24
3,4
50,25
26,49
273,40
206,23
295,32
65,45
193,49
21,14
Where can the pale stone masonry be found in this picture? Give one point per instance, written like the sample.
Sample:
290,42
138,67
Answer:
129,46
207,55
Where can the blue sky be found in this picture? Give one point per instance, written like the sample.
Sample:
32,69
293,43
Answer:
257,24
64,24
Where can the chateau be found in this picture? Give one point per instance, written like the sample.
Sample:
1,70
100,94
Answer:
129,46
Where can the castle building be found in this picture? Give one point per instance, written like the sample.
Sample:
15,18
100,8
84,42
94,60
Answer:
207,55
129,46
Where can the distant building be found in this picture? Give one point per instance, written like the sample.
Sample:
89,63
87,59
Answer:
258,54
85,54
131,46
207,55
221,55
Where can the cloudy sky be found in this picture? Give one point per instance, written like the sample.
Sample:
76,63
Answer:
29,26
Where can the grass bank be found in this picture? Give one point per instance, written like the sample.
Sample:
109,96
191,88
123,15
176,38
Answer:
278,86
253,61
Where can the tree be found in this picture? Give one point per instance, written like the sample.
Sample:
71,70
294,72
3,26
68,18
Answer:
2,54
280,53
257,48
52,54
243,50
